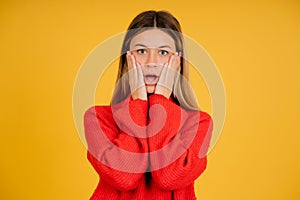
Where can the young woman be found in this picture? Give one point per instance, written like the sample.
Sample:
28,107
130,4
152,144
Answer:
151,142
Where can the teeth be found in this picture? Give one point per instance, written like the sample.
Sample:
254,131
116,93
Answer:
151,76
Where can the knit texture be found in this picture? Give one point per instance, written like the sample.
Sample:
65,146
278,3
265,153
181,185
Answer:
147,154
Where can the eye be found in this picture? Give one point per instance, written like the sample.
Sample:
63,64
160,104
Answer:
141,51
163,52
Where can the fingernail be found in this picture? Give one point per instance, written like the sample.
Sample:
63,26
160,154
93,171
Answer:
176,53
127,52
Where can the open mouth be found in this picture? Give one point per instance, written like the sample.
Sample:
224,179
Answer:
151,79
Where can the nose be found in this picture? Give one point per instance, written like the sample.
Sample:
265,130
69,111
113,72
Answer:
152,59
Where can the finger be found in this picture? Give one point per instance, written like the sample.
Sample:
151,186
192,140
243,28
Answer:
171,61
168,75
175,62
131,72
163,71
136,74
169,68
133,60
129,62
140,75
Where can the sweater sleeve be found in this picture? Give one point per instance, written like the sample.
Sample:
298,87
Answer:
116,147
185,137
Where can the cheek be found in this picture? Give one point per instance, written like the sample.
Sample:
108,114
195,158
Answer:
164,59
140,58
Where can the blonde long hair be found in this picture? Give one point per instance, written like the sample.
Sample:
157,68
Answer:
182,93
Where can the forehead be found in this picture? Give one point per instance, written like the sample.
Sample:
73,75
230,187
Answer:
153,38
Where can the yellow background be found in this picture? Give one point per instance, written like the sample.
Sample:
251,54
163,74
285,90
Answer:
255,45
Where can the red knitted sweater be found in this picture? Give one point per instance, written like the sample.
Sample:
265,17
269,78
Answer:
147,155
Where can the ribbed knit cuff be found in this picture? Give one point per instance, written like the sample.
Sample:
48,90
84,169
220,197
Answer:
138,110
131,116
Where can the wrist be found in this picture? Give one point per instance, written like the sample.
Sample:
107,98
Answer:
163,91
139,95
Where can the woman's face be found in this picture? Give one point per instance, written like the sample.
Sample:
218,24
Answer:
152,49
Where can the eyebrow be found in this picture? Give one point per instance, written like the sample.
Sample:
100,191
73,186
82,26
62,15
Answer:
163,46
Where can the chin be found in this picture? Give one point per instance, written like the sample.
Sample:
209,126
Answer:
150,89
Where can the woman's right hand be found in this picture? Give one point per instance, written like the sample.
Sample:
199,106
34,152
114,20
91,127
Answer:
136,78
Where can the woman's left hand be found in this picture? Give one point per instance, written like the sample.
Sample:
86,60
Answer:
168,76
